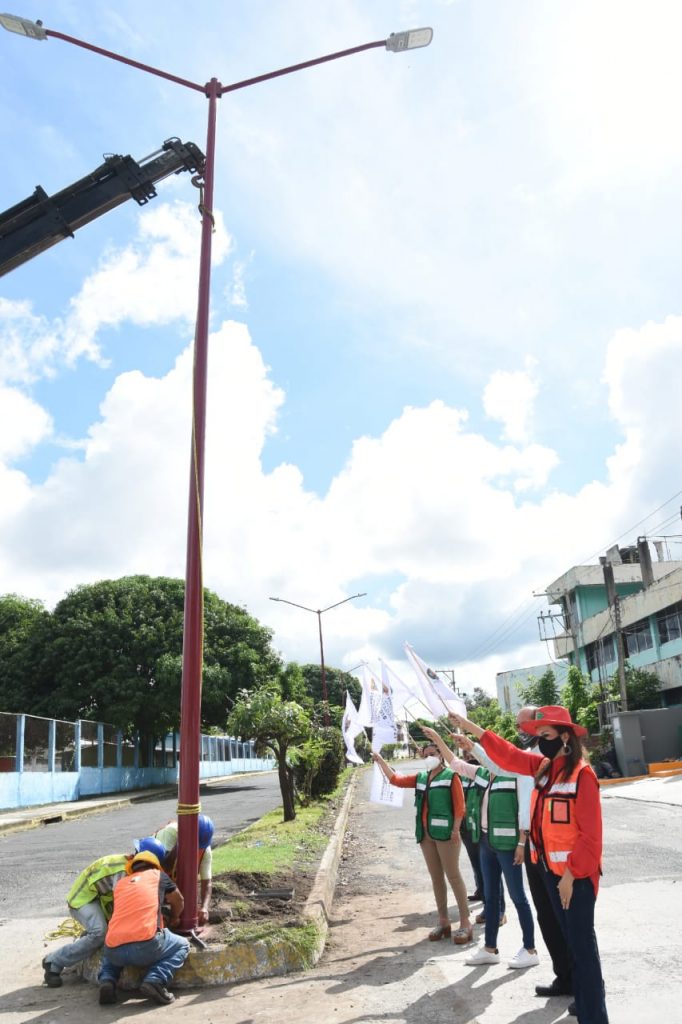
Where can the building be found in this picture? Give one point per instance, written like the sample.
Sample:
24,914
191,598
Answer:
509,683
629,597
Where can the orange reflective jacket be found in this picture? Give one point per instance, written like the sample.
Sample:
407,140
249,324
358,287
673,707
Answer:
558,827
137,910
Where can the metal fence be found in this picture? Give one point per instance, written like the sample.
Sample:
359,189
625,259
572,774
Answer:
45,760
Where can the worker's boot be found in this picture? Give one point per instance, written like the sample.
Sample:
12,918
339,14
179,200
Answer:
53,979
158,992
107,993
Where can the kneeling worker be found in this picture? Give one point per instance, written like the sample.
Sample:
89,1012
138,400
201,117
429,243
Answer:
136,935
168,836
90,902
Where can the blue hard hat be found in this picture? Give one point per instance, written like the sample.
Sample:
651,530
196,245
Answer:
206,830
150,845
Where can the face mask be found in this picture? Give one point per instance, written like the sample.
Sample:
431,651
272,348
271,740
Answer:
548,748
526,740
432,762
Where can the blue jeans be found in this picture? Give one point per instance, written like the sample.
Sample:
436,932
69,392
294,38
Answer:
91,917
494,864
578,926
163,955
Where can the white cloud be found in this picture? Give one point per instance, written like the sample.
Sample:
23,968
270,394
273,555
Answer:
153,280
454,528
23,424
509,397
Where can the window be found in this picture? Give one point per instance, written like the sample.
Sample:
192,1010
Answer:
669,623
601,652
65,747
638,637
36,744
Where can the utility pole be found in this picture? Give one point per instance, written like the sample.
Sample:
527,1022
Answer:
614,603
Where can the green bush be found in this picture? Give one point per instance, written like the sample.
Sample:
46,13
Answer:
332,764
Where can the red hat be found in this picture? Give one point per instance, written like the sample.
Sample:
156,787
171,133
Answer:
556,716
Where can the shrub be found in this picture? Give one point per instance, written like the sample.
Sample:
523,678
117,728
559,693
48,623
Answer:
332,764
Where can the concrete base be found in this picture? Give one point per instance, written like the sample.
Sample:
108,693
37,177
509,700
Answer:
264,958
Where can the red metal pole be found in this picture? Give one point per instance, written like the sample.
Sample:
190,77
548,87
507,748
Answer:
193,630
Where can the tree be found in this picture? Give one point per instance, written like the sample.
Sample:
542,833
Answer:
275,724
337,681
19,618
540,690
111,651
643,688
485,711
577,692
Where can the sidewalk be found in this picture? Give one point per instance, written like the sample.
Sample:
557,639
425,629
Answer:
652,789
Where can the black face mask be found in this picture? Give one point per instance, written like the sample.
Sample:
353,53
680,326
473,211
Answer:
526,740
548,748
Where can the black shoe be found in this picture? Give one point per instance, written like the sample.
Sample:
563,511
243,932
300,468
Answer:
53,979
158,992
572,1010
476,897
555,989
107,993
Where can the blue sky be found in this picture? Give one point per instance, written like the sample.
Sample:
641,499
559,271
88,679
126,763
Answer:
445,313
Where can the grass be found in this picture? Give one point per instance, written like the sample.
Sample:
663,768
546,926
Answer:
302,940
271,845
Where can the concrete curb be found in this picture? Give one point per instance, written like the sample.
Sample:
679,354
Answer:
263,958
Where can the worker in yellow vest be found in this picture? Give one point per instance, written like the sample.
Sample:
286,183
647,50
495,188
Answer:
136,935
90,902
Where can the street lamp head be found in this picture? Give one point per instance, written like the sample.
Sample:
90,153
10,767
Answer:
23,27
412,40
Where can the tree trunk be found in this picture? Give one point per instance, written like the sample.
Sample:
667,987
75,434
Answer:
286,785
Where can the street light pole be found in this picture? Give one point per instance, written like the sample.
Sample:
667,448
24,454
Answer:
320,612
192,648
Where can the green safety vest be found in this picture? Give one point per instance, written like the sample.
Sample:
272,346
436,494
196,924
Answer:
97,881
503,809
440,818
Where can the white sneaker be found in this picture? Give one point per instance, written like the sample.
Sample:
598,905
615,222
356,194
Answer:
524,959
482,956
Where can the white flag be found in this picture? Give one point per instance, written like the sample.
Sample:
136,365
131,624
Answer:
382,792
400,691
365,709
437,695
351,727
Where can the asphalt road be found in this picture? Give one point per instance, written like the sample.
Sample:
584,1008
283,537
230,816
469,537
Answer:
38,866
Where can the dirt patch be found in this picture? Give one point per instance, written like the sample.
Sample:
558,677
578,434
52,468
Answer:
241,899
243,903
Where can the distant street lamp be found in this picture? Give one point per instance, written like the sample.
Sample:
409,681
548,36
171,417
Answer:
193,626
320,612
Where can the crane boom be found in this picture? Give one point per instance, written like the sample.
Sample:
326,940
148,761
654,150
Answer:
40,221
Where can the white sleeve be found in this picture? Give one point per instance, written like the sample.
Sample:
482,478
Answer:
524,789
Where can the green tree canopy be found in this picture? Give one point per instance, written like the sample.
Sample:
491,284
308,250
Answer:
540,690
19,618
111,651
338,682
642,687
276,724
485,711
577,692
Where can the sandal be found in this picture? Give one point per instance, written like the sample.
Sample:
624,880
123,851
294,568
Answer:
463,936
443,931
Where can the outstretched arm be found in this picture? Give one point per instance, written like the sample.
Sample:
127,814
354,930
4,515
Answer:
460,722
445,751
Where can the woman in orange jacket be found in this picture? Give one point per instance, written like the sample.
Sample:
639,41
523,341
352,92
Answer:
565,835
